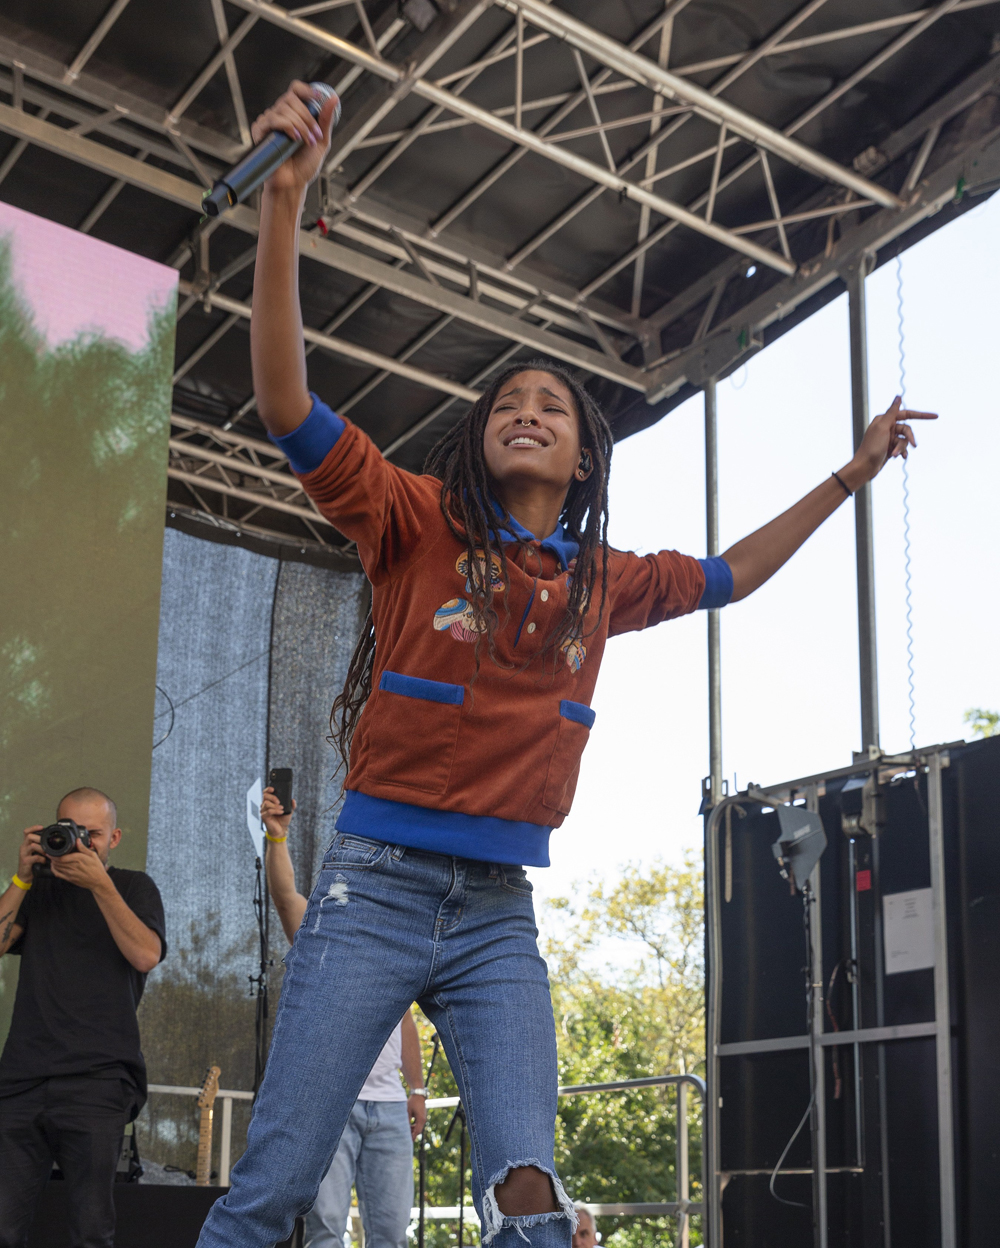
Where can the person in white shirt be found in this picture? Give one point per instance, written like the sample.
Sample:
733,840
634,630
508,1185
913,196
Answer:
375,1155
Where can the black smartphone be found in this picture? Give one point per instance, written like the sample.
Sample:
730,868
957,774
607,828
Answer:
280,779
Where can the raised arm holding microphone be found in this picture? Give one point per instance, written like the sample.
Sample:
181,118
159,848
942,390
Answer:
465,714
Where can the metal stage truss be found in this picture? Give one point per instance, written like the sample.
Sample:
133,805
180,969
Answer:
648,193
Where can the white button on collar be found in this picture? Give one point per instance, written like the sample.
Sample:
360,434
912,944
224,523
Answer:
544,595
531,627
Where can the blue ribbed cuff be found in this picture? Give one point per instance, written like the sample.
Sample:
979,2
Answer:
718,583
307,446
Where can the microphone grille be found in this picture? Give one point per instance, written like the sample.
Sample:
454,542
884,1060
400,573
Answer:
325,90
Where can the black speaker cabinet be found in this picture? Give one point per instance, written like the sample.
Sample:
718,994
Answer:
897,1044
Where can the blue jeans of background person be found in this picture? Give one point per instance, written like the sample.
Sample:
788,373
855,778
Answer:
375,1155
386,926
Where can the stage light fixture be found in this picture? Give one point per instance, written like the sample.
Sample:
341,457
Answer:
800,845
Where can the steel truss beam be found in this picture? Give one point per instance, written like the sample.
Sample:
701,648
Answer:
349,350
569,103
524,291
726,342
441,36
111,16
738,336
105,95
230,464
691,70
662,82
586,169
950,105
178,190
491,281
926,18
135,111
212,462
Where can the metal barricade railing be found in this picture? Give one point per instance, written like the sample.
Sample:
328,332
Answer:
682,1208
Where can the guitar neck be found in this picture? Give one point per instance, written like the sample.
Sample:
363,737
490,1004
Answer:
203,1171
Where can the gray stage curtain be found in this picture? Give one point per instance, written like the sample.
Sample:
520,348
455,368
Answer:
252,651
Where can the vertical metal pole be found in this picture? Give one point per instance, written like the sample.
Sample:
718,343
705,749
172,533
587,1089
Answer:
852,875
868,663
942,1004
816,1055
683,1171
714,642
883,1100
226,1148
711,1186
711,1195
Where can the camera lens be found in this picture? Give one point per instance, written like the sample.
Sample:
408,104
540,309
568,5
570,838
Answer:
58,839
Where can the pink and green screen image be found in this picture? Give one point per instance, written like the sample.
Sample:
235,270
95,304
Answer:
86,357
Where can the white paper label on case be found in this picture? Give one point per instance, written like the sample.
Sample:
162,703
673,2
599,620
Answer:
908,928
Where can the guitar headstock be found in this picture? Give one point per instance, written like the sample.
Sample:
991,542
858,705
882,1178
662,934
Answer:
209,1088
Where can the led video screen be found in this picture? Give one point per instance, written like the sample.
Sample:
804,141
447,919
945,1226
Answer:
86,357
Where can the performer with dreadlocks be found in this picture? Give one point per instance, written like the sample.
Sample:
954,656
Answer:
466,711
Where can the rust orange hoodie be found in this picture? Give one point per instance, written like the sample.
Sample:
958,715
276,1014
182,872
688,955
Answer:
480,765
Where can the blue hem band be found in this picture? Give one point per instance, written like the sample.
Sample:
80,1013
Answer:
482,837
718,583
578,712
307,446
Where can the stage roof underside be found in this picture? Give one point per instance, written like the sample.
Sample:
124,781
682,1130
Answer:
646,192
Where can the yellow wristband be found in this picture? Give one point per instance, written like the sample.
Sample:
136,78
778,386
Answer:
277,840
16,879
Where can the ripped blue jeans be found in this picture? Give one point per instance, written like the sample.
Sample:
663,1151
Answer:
387,926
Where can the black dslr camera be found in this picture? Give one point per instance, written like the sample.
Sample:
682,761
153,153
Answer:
58,839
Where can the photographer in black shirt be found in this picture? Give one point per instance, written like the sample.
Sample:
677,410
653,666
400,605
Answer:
72,1074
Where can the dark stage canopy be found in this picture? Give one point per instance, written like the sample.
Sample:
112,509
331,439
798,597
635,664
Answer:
647,192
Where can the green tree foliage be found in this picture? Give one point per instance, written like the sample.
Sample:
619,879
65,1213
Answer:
441,1155
627,976
628,1018
984,723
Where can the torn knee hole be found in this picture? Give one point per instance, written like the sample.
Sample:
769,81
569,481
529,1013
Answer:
521,1195
525,1191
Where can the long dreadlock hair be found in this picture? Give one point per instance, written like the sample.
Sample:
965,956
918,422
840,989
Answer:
474,513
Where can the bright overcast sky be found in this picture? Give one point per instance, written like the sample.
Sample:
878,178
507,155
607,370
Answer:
789,653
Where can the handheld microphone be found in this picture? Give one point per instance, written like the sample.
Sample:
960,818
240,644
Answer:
257,166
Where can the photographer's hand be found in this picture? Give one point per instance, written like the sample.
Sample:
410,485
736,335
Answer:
82,867
138,943
30,853
10,903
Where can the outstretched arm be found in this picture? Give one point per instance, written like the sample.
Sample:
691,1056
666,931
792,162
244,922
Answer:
288,901
756,558
276,347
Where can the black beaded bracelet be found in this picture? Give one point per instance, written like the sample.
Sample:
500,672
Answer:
840,481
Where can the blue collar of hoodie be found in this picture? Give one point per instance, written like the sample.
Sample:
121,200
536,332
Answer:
559,543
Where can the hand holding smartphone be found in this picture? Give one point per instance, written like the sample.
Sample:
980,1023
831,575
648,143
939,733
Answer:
280,779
